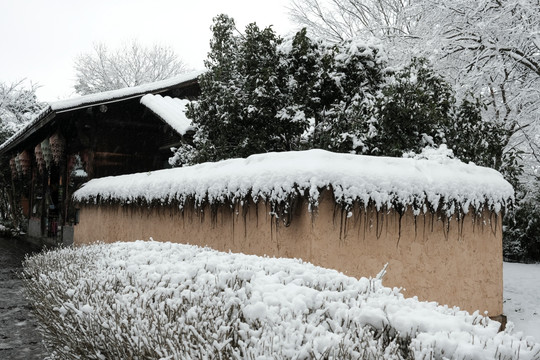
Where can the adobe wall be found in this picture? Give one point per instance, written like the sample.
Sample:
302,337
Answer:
456,263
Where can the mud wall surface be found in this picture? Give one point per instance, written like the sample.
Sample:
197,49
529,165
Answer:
456,262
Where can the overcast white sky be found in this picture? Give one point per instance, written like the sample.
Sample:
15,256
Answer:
40,39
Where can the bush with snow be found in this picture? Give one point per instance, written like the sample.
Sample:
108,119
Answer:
161,301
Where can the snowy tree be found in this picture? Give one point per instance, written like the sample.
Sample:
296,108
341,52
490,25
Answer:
493,48
351,78
236,112
263,93
17,106
489,48
339,20
132,64
416,109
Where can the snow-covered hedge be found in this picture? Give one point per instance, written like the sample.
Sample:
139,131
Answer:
170,301
443,184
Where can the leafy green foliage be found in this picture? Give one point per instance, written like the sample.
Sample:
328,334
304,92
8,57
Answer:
236,113
415,111
521,241
474,139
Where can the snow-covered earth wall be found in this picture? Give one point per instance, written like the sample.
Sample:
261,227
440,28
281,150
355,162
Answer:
439,184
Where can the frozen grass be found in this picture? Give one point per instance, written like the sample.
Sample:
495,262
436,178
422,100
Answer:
159,300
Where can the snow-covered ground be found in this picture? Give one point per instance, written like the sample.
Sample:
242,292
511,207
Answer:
522,297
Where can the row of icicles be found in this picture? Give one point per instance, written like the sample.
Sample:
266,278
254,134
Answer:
49,150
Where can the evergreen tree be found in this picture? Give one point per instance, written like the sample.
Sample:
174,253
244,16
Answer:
415,109
301,70
241,95
353,78
521,240
474,139
263,93
217,103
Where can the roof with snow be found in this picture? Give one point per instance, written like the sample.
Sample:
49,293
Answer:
125,93
439,184
170,110
107,97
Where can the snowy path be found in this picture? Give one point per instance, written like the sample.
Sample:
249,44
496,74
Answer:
522,297
19,338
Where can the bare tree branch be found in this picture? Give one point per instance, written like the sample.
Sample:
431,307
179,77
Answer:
133,64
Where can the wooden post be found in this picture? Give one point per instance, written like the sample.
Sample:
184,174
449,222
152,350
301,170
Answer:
31,195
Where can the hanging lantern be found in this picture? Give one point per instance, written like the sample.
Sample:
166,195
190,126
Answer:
25,162
40,160
18,164
58,145
47,154
13,167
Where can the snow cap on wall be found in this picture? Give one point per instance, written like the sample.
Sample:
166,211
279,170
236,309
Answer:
444,184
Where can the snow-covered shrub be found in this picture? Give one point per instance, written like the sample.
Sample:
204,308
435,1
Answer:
160,300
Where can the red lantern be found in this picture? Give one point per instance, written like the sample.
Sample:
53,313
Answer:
13,167
46,150
25,162
58,146
40,160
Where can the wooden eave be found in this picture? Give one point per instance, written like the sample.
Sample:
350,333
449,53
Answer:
126,97
47,116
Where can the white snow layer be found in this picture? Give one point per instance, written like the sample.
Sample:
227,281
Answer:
171,110
423,184
125,92
291,309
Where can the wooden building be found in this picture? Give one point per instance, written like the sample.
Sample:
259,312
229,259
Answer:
97,135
